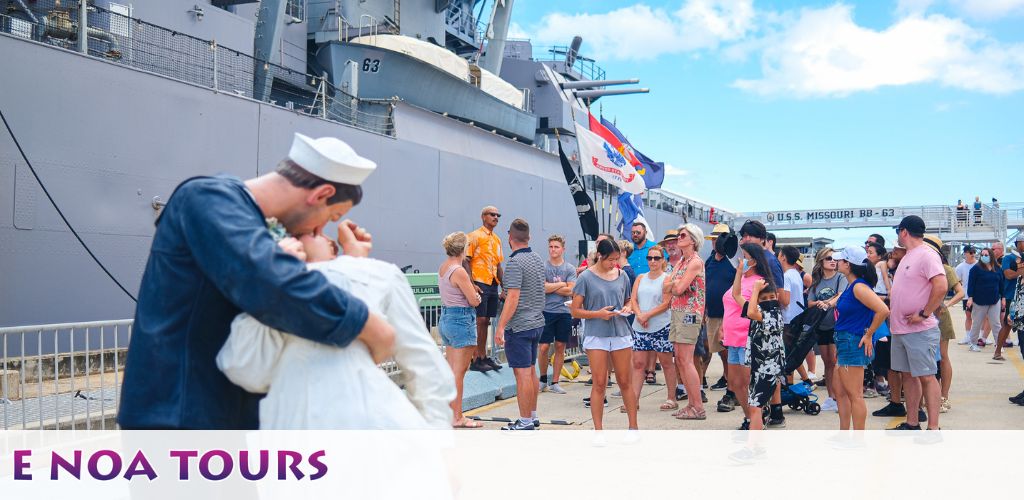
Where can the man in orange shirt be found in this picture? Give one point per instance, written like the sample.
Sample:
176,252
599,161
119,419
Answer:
483,263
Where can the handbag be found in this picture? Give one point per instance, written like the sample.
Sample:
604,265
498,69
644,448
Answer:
700,350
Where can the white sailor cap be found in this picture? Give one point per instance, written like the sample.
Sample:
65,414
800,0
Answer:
331,159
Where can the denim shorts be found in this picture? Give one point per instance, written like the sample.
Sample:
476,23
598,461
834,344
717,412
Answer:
847,352
737,356
458,326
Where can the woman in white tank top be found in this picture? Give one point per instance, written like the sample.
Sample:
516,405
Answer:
651,325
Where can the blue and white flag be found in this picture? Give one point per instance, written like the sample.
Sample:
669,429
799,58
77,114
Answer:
631,207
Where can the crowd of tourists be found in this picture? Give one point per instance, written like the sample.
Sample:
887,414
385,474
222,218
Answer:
249,317
877,317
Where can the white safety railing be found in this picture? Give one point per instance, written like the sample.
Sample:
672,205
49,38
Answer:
62,376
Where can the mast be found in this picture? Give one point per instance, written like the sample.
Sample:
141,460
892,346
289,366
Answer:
497,34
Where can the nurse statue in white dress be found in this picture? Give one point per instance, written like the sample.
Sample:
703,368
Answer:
316,386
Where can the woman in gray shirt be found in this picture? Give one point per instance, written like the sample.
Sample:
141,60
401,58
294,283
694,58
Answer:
601,297
827,286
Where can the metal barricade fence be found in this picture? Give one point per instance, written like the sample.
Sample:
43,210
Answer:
62,376
68,375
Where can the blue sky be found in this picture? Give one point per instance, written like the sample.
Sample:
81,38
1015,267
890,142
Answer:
794,105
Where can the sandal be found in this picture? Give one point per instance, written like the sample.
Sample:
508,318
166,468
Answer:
622,409
467,423
669,405
998,357
651,379
692,413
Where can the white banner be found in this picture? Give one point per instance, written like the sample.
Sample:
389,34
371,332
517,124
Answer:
601,159
489,464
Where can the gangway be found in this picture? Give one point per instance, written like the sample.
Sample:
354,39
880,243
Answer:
993,222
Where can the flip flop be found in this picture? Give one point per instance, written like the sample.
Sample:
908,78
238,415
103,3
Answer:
467,423
669,405
998,357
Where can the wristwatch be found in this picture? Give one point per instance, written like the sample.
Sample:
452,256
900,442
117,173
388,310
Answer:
923,315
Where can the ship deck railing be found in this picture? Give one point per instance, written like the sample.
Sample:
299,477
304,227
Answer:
587,68
68,375
129,41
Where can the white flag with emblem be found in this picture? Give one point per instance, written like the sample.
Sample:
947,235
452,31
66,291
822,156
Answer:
599,158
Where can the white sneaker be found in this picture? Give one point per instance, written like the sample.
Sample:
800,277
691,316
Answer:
829,405
989,341
555,389
964,341
975,348
542,387
617,394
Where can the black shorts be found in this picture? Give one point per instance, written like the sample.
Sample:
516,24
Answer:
557,327
488,307
826,337
881,361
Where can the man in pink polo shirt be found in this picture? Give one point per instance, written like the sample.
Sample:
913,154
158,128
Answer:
917,292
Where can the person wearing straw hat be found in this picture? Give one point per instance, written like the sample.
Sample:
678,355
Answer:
945,322
213,257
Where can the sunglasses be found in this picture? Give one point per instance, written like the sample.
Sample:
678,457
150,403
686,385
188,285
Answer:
494,215
828,259
655,257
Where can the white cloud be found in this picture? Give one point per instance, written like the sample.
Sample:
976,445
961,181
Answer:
640,32
674,171
989,9
911,7
825,53
516,31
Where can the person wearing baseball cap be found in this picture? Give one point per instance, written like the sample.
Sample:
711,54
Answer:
213,258
860,313
719,272
917,292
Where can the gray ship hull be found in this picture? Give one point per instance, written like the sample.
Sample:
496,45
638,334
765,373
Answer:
106,139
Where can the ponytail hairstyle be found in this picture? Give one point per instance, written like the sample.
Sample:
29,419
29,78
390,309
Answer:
605,248
864,271
756,253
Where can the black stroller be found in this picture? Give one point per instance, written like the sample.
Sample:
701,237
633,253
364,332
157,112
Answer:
804,326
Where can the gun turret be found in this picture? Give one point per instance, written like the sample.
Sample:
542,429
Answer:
589,84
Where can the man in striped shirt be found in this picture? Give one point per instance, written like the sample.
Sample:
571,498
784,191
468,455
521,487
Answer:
522,321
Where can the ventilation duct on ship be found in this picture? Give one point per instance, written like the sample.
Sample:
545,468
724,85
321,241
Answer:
58,24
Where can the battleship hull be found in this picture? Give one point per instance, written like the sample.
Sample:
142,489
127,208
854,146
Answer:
106,139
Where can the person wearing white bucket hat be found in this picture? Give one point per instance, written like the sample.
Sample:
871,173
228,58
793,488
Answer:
213,257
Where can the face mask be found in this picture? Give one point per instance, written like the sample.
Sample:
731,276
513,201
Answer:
768,305
986,259
746,265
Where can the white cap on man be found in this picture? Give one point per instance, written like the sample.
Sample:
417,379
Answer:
852,254
330,159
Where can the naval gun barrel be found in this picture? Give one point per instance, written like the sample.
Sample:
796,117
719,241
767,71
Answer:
594,94
589,84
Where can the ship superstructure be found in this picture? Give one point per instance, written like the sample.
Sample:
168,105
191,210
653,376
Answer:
115,111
